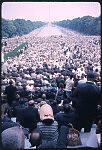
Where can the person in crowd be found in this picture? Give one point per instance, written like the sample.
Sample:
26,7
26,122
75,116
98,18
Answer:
19,87
51,93
37,81
54,106
13,138
44,99
24,93
87,96
66,117
10,91
19,110
69,85
37,141
6,122
98,129
60,93
48,125
82,80
47,62
30,116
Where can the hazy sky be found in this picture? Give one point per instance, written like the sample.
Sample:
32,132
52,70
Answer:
49,11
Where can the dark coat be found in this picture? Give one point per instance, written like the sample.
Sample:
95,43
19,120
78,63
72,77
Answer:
19,113
24,93
7,123
37,82
11,93
65,118
87,96
30,118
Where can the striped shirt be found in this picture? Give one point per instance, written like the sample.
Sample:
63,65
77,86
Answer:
50,132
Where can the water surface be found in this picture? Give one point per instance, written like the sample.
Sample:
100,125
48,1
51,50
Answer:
50,30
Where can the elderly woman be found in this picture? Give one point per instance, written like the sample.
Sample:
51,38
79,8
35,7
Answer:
48,125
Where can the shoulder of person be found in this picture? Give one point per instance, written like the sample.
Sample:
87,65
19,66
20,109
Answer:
55,122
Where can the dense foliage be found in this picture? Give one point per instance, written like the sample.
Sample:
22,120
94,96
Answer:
15,52
11,28
87,25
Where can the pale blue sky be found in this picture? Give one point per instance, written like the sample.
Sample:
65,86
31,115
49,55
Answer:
49,11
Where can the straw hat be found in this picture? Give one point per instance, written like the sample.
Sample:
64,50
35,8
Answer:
46,112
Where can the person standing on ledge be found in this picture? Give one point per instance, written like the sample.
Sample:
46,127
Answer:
87,96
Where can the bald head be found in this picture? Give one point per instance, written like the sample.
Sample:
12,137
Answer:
43,96
36,138
31,103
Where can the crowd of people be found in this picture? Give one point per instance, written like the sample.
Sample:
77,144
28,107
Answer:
55,81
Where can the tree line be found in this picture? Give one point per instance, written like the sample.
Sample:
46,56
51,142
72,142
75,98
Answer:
18,27
87,25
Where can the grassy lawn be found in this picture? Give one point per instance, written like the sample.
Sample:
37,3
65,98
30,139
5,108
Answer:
14,52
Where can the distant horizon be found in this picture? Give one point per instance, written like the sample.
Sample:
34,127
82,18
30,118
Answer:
49,11
51,21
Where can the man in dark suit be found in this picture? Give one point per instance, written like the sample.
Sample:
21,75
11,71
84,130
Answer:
66,117
10,90
87,96
30,116
19,110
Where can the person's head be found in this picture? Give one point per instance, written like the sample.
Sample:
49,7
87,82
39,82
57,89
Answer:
43,96
39,100
10,82
90,76
46,113
66,108
36,138
24,87
65,102
96,70
71,76
31,103
13,138
61,85
42,103
4,110
21,101
14,65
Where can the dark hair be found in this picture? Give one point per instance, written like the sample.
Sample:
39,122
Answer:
60,108
96,70
36,140
48,122
21,101
61,85
71,76
91,75
66,108
39,100
65,102
10,82
24,87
